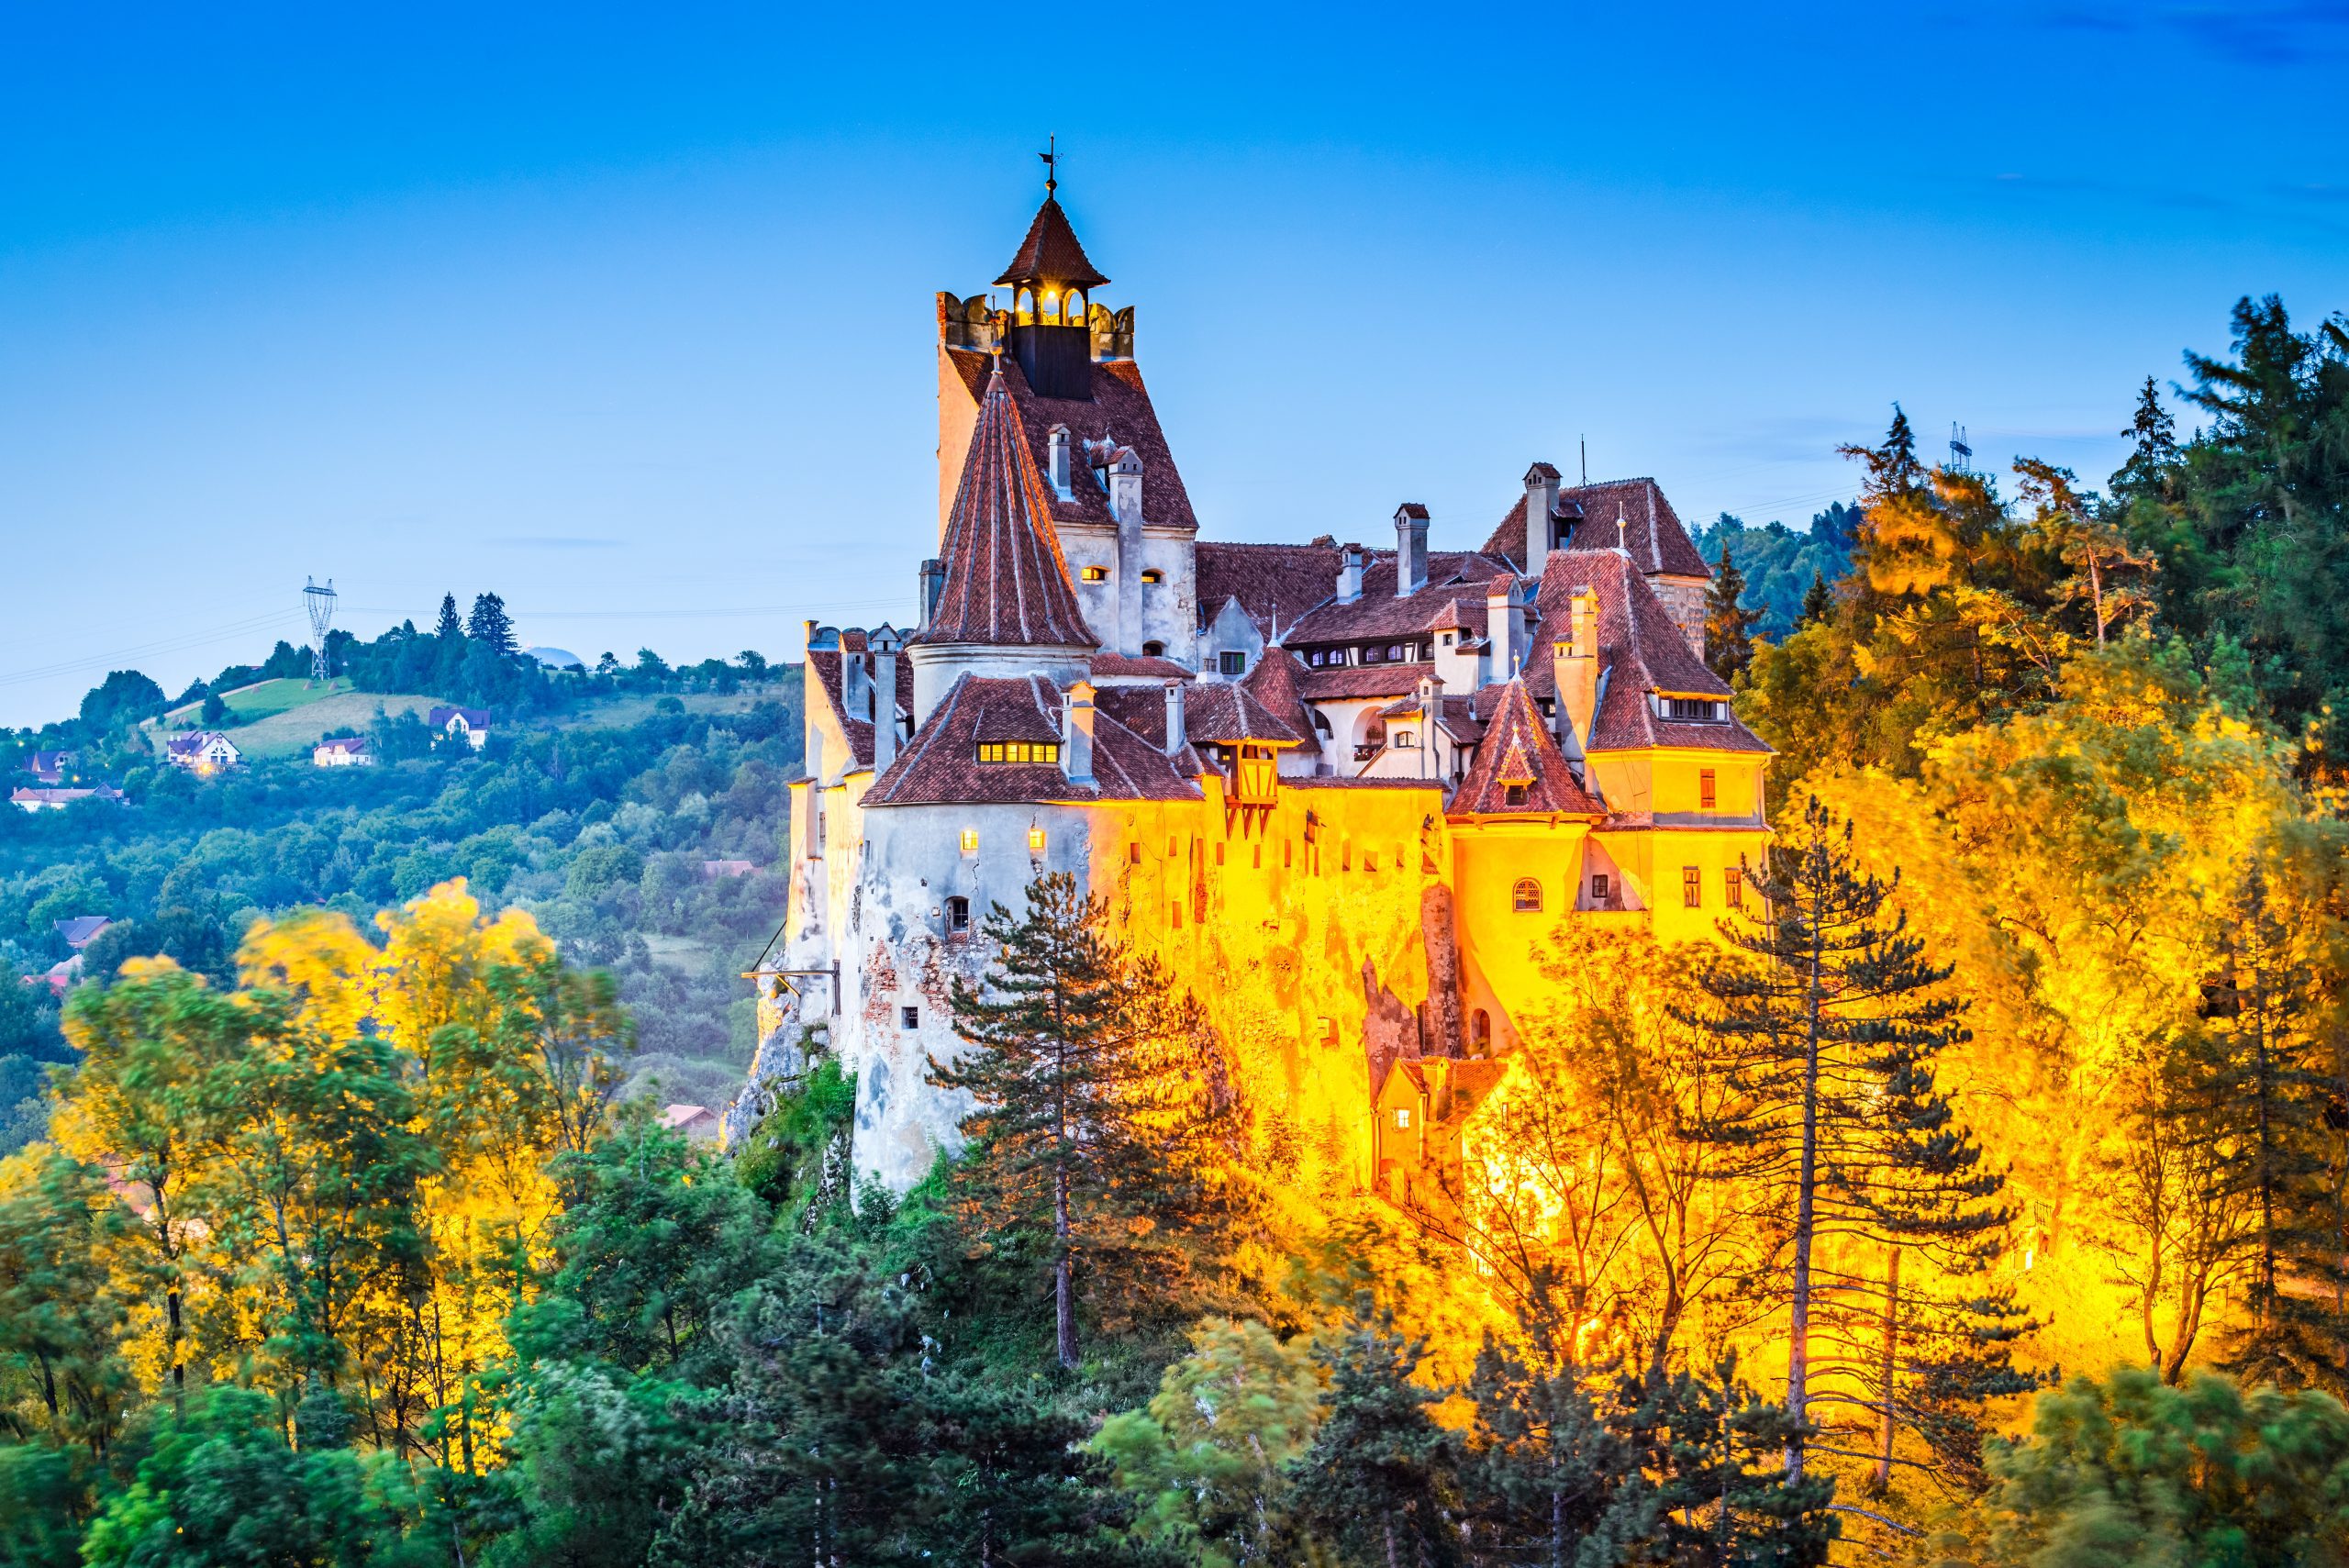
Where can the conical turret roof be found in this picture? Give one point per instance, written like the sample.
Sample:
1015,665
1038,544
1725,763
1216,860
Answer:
1519,768
1006,584
1052,253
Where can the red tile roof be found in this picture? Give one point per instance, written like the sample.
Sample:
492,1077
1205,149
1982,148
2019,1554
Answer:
1639,650
1276,684
1651,531
940,765
1270,580
1455,597
857,727
1112,665
1051,253
1222,713
1006,584
1517,751
1119,411
1362,681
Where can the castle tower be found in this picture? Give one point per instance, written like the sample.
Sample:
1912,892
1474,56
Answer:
1005,606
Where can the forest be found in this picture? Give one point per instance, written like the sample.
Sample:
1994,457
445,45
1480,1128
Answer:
1980,1198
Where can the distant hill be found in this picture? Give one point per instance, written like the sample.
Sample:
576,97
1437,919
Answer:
1778,561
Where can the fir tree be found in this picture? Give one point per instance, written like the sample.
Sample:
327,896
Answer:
1832,1038
1092,1119
1818,604
2152,468
1729,627
489,624
448,629
1382,1479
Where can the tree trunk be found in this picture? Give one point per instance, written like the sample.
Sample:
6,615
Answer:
1063,1286
1805,1219
1887,1367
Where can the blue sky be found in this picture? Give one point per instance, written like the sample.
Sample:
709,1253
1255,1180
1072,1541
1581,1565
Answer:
626,313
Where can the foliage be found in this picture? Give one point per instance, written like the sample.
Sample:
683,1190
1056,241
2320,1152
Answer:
1777,564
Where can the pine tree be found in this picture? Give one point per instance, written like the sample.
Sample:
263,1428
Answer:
448,629
1091,1120
2272,1111
1831,1036
1381,1481
1816,602
489,624
2152,456
1729,627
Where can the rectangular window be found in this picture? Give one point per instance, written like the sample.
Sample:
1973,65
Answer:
1599,888
1288,853
958,915
1175,915
1705,793
1260,857
1403,1115
1733,888
1692,887
1134,854
909,1017
1097,575
969,840
1231,663
1218,854
1373,655
1397,653
1019,751
1694,710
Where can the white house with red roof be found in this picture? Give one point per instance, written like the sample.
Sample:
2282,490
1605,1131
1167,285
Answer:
202,751
469,725
1353,798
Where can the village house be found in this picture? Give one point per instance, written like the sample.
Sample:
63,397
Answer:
202,751
698,1124
1352,796
51,767
470,724
342,752
59,799
81,931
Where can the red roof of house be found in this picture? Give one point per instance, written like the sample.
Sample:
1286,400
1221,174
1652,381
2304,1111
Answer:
1276,684
1639,650
1214,713
1453,596
1006,584
1118,413
1652,531
940,766
1518,752
1051,254
1362,681
1110,665
1271,581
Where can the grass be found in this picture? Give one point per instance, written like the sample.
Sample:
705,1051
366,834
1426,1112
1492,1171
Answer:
634,707
260,700
293,731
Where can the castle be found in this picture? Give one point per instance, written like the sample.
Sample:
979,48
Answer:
1355,797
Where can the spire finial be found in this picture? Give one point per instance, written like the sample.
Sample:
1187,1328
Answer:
1623,526
1051,156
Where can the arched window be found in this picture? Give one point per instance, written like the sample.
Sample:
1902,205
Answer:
1526,896
1152,575
1154,649
1480,1033
958,915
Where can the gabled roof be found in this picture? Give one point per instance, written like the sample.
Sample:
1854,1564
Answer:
1119,411
80,929
1652,531
1361,681
1225,713
349,744
1110,665
474,717
940,765
1273,582
1640,649
1007,586
1051,253
1276,683
1516,753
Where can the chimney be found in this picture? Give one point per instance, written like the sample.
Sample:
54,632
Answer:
933,582
1077,733
1431,699
1504,619
856,678
1176,738
1541,508
1125,486
1351,561
1576,668
1411,548
886,644
1057,444
1125,505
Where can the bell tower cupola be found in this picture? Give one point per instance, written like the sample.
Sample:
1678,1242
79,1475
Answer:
1051,280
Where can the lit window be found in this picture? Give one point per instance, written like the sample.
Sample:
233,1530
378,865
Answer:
1096,574
1692,888
1526,896
1019,751
1599,889
969,840
1733,888
1231,663
909,1017
958,915
1705,795
1403,1115
1035,840
1153,577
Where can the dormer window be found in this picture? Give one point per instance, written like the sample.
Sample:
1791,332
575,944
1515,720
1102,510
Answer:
1095,574
1019,751
1513,795
1694,710
1373,655
1057,448
1151,576
1231,663
1445,639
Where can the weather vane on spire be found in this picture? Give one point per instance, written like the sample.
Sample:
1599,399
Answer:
1052,164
